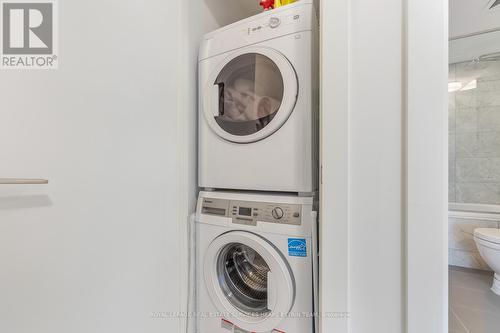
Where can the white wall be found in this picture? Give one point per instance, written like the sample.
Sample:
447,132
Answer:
376,148
190,11
383,224
335,173
471,16
97,249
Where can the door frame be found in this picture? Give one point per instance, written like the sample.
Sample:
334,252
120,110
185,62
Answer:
424,166
427,165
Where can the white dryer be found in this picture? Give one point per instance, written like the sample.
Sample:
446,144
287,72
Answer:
254,263
258,103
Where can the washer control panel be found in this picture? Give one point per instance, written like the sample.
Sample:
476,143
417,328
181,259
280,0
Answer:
250,212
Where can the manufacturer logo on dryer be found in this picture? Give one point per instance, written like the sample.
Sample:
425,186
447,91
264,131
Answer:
297,247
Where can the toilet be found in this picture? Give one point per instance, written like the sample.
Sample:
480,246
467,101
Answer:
488,243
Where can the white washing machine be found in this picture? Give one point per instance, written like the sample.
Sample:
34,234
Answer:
255,263
258,103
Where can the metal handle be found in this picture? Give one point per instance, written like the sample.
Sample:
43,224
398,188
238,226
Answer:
18,181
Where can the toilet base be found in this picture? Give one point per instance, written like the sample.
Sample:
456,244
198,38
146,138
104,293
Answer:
496,285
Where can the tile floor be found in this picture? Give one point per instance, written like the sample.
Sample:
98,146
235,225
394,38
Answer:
474,308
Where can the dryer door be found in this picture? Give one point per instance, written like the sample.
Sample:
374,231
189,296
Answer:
249,280
250,95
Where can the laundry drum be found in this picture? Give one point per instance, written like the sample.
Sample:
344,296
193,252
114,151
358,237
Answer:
243,278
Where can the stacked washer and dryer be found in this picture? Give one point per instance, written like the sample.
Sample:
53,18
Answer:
255,225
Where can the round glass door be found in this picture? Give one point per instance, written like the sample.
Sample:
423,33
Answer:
250,95
248,279
243,278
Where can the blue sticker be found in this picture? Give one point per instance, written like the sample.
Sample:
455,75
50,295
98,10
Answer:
297,247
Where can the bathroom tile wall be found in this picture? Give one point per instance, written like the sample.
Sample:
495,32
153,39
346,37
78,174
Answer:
474,123
474,155
462,248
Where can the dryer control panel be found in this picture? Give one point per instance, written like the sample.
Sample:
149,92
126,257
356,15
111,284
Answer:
250,212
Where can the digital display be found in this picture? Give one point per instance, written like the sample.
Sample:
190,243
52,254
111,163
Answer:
245,211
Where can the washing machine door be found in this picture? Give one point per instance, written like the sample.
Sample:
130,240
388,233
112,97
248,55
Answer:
250,95
249,281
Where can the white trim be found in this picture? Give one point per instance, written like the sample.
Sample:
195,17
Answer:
474,208
474,216
427,163
424,196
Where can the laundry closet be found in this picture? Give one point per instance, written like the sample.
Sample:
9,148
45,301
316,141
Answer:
362,151
254,243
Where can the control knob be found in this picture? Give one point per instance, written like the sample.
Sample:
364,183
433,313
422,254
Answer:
277,213
274,22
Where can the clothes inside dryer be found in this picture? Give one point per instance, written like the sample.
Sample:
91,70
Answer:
250,93
243,278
